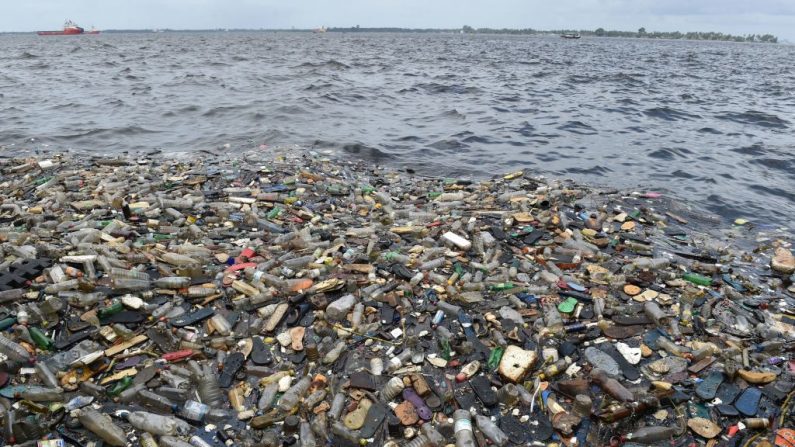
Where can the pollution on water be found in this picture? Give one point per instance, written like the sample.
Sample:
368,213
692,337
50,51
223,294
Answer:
235,289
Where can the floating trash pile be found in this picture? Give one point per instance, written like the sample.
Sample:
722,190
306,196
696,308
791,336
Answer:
281,298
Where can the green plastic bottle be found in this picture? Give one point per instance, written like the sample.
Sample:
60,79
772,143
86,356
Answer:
6,323
495,357
697,279
40,338
446,351
114,308
274,213
502,286
120,386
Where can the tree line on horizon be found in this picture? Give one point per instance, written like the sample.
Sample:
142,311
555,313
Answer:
641,33
599,32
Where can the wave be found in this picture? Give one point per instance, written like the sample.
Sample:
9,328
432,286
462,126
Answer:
577,127
755,118
669,114
331,63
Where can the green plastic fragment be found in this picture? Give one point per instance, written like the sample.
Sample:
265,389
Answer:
697,279
567,306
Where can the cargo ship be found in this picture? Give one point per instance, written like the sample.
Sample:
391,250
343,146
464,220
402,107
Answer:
70,28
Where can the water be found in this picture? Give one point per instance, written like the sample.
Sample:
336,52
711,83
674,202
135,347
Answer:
709,122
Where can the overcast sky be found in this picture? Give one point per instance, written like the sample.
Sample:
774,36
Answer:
729,16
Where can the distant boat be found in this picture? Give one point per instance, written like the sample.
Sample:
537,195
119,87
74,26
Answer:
70,28
322,29
570,35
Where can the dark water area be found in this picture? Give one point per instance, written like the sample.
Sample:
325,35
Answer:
708,122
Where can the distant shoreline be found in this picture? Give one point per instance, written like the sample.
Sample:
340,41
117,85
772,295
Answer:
640,34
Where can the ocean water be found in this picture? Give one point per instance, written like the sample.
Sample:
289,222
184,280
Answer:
710,123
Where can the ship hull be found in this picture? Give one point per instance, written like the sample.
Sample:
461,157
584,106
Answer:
66,32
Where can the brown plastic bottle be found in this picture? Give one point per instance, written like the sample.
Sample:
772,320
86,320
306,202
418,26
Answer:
611,386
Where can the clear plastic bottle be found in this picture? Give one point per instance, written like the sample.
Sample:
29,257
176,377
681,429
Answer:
148,440
338,429
552,318
491,431
46,375
651,435
102,426
338,404
392,388
157,424
155,401
334,353
462,428
172,282
306,435
290,398
129,284
670,347
419,441
116,272
171,441
41,394
655,313
267,396
207,384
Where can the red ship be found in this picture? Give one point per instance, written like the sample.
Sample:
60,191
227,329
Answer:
69,28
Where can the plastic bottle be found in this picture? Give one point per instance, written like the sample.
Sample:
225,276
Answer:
611,386
334,353
650,435
15,352
397,361
170,441
172,282
554,369
41,394
338,429
155,401
655,314
130,274
157,424
552,319
651,263
207,385
697,279
102,426
290,398
670,347
491,431
267,395
419,441
462,428
306,435
392,388
129,284
148,440
46,375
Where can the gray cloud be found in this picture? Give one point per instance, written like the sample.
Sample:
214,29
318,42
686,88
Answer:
730,16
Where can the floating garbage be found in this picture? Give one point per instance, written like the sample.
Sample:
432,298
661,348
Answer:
282,298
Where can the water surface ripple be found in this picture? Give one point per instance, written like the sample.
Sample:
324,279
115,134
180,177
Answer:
710,122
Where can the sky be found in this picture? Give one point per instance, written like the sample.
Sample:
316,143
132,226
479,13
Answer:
729,16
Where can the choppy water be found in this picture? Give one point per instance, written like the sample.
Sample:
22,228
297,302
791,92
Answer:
709,122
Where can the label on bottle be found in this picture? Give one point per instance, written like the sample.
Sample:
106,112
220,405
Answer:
194,411
462,424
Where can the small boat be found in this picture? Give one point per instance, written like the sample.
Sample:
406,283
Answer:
70,28
320,30
570,35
